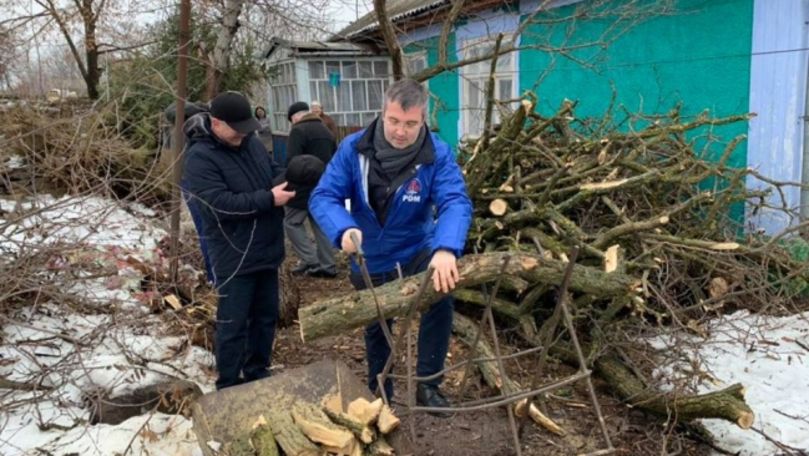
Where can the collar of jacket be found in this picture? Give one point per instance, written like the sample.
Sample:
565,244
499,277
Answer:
365,145
311,117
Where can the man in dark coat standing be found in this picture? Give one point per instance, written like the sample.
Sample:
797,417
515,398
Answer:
228,177
308,137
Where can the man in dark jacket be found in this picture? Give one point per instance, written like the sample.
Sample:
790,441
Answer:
409,208
228,177
308,137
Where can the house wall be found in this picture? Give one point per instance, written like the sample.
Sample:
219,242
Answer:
779,68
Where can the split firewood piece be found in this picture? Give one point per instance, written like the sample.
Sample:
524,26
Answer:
498,207
365,412
317,426
332,403
289,436
262,438
387,420
355,449
524,408
364,432
380,447
612,258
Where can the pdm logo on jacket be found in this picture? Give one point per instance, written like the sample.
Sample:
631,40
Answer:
412,192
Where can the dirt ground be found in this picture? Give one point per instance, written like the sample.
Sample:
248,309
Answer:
487,432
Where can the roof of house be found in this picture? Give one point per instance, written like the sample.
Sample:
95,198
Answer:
312,48
396,9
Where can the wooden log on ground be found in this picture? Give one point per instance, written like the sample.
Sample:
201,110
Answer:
387,421
365,412
466,330
263,439
362,431
328,316
289,436
380,447
727,404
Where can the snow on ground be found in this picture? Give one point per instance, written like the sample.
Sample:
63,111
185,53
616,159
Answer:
770,357
111,343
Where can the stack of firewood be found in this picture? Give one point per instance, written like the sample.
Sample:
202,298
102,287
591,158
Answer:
306,429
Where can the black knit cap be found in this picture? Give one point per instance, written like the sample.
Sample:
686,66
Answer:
234,109
295,108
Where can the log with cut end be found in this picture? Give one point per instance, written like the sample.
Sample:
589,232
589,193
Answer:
289,436
498,207
357,309
363,411
387,421
318,428
263,439
466,330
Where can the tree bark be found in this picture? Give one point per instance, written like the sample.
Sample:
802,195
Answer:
336,315
219,60
389,34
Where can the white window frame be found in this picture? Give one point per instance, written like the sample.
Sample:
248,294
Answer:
476,77
332,107
420,57
283,92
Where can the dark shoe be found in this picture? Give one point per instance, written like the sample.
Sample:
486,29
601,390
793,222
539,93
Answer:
322,273
301,269
431,396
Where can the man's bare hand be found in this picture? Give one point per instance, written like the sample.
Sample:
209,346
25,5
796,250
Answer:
445,271
281,196
347,244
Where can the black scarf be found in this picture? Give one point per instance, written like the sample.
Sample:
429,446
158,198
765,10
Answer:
394,161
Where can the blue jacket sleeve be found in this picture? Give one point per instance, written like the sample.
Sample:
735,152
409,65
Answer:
204,183
327,203
454,208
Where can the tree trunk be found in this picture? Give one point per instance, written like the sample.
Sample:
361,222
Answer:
224,40
336,315
388,32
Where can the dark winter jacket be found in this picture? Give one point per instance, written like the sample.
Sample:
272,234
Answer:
230,189
309,137
301,175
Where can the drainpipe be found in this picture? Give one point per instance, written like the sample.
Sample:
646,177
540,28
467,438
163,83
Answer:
805,170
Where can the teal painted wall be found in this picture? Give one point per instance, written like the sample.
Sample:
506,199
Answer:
698,56
444,90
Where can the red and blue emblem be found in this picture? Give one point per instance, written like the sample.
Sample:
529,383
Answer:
412,191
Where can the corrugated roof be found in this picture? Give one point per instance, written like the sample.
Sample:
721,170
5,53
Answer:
314,47
396,9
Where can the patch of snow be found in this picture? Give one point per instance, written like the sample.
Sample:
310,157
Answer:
769,357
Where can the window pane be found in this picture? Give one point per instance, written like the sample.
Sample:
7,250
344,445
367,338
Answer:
326,97
316,70
344,97
367,118
313,91
332,67
349,70
339,119
505,89
381,69
385,85
365,70
353,120
360,100
375,94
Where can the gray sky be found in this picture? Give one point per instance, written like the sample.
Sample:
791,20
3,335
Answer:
345,11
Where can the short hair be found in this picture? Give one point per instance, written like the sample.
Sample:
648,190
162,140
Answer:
408,93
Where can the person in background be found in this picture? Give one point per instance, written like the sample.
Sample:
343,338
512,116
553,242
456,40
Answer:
228,176
409,208
308,137
264,132
317,110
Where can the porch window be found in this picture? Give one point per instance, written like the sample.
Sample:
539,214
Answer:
284,93
475,77
351,91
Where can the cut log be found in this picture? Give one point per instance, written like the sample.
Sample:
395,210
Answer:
239,447
365,433
357,309
380,447
466,330
289,436
318,428
727,404
263,440
498,207
365,412
387,422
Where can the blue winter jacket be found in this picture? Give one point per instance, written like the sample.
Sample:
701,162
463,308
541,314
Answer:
429,211
229,190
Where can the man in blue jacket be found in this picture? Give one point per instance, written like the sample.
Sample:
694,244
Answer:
228,180
408,207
